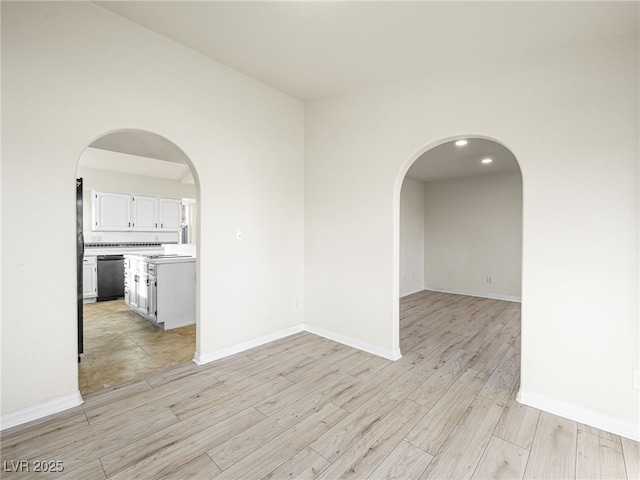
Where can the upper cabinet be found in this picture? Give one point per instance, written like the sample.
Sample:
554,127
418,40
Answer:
169,214
111,211
145,212
125,212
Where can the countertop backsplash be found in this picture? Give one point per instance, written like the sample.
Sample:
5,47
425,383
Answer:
118,243
107,238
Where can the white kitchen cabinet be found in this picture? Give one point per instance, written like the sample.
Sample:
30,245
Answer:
145,212
175,294
145,295
130,212
162,289
133,270
170,214
111,211
127,283
130,294
89,279
139,287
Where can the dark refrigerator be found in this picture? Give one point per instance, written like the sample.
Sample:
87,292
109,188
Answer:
79,258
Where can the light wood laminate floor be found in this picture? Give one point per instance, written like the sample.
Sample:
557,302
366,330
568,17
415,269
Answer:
305,407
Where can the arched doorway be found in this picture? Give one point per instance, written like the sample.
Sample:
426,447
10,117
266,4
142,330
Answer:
458,230
139,195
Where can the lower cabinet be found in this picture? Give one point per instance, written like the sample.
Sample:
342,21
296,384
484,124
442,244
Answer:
140,292
89,279
147,289
162,293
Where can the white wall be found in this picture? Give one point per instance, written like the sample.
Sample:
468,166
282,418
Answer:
71,72
412,216
473,229
570,116
455,232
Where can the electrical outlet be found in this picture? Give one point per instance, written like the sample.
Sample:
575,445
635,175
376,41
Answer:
636,379
489,278
239,234
296,303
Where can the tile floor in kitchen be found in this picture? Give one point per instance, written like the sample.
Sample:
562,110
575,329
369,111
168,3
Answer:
121,346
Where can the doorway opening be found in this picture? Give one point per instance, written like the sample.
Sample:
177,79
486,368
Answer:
137,209
459,250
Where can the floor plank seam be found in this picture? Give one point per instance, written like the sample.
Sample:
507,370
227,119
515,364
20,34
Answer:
535,432
102,467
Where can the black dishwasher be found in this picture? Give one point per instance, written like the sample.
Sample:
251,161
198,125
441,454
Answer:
110,277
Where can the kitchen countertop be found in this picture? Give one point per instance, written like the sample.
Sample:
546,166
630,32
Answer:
188,249
171,258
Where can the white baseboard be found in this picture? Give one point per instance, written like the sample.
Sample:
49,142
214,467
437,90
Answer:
203,358
393,354
50,407
18,417
406,294
608,423
470,293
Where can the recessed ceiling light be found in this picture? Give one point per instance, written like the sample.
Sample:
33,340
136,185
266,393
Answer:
487,160
461,143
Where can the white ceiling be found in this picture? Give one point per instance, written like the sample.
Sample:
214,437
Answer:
124,162
143,144
451,161
137,152
314,49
